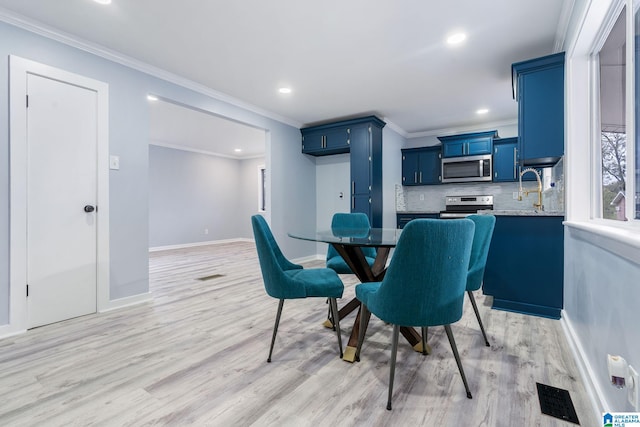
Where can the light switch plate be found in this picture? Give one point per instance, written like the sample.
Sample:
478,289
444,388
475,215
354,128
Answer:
114,162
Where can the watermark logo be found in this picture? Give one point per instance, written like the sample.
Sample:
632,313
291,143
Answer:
621,419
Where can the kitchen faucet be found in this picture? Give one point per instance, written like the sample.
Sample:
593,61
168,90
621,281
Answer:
526,192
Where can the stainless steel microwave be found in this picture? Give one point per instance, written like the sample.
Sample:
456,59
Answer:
467,169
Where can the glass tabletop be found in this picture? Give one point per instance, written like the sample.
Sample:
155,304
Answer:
376,237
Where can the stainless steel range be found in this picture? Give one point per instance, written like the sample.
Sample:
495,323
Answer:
462,206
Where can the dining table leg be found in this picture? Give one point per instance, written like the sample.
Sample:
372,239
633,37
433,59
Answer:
344,311
355,259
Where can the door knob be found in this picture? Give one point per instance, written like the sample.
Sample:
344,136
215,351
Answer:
89,208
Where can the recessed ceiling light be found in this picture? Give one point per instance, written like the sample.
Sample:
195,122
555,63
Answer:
456,38
284,90
238,150
152,97
482,111
103,1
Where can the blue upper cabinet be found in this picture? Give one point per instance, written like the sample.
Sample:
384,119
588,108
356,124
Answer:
505,159
538,86
326,139
421,166
469,144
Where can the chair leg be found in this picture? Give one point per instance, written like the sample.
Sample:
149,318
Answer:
365,315
275,328
333,304
475,308
452,341
424,340
392,367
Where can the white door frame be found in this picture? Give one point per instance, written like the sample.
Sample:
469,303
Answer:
19,68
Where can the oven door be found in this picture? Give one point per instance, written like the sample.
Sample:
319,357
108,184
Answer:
467,169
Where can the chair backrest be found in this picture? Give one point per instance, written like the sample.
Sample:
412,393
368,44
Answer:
273,263
425,282
480,249
350,221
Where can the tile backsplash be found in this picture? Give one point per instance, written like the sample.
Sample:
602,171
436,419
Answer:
430,198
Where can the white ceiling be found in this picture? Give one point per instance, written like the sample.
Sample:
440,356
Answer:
341,58
177,126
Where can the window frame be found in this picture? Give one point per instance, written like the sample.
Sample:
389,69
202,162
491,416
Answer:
596,207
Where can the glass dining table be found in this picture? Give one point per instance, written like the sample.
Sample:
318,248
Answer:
349,242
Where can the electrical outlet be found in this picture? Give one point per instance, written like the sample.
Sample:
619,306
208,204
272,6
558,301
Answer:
515,195
633,388
421,196
206,231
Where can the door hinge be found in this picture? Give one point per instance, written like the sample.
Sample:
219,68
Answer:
27,290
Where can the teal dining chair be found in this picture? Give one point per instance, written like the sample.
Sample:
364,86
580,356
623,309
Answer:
479,252
346,224
286,280
424,284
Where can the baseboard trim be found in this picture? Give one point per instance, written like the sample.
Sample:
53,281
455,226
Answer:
8,330
126,302
310,258
193,245
597,398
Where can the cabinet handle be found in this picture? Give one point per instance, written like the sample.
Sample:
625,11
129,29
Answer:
420,177
515,161
353,203
415,176
353,187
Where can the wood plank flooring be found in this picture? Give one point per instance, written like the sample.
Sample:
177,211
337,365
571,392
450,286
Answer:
196,355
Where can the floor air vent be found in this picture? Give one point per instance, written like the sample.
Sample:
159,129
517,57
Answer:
213,276
557,403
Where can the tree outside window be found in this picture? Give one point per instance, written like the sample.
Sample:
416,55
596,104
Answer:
613,145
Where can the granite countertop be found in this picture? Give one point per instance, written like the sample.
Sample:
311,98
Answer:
417,212
521,212
497,212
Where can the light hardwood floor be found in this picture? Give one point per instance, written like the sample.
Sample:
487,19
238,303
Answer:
197,355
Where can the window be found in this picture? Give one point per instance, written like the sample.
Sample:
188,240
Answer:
619,72
613,136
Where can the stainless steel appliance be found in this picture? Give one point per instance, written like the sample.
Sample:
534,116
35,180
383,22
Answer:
462,206
467,168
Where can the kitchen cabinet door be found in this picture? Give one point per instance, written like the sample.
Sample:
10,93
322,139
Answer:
468,144
525,265
539,91
421,166
505,160
325,140
410,165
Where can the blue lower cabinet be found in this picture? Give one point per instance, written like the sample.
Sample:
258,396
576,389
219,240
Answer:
525,266
404,218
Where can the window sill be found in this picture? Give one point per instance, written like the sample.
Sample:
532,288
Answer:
622,239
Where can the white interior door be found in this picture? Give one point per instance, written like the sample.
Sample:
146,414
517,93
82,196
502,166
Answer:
61,182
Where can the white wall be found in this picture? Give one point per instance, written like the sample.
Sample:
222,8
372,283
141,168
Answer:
290,173
602,266
196,197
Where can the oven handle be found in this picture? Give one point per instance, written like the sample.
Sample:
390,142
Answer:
454,215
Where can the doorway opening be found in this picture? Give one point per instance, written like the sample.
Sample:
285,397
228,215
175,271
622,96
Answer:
204,175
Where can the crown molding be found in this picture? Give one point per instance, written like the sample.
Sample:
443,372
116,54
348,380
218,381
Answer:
395,127
563,25
462,129
41,29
